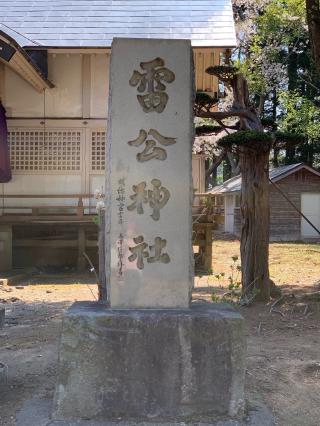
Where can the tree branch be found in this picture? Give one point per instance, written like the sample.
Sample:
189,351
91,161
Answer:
221,115
215,163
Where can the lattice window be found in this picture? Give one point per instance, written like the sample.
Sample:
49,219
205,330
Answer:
51,150
98,150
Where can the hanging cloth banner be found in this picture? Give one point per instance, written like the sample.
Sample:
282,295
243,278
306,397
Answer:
5,169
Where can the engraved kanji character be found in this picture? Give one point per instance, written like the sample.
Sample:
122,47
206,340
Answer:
151,82
159,244
158,198
138,251
140,197
151,150
121,199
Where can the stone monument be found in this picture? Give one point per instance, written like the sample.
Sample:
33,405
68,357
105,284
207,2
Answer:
151,353
149,188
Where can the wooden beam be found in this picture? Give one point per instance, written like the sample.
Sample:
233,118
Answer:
52,243
86,86
52,219
48,196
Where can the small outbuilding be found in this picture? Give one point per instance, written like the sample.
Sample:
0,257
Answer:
298,182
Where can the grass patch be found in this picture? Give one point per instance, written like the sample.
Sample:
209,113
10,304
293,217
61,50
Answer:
291,264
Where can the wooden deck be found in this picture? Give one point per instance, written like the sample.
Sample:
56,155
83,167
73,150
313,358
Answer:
35,208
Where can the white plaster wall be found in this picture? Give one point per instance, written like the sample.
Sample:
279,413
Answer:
99,85
43,184
97,182
65,100
20,98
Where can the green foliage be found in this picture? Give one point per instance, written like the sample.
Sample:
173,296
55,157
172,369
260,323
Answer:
204,102
234,283
205,129
215,298
301,115
203,97
282,21
287,138
223,72
245,137
280,36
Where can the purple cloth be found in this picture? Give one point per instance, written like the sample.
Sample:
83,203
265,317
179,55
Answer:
5,169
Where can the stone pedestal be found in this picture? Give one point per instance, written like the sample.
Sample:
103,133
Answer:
164,365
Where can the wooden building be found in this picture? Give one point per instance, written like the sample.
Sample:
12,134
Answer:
300,183
54,62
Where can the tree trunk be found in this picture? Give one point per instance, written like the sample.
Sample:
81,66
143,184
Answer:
213,168
313,20
254,206
275,159
235,169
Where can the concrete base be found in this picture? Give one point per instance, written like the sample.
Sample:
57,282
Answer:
165,365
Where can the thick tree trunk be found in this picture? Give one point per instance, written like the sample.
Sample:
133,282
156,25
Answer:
255,223
313,20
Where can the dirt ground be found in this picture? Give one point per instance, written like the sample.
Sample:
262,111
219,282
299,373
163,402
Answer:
283,361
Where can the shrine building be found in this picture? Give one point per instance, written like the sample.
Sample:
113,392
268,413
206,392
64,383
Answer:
54,70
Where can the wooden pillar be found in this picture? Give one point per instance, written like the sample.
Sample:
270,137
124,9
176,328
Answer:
208,247
5,247
81,264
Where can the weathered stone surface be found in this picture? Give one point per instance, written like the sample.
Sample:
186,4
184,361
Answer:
149,260
150,364
2,317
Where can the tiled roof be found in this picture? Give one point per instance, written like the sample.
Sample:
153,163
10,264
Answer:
234,184
93,23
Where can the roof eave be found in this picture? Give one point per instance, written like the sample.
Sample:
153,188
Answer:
23,65
195,45
295,169
299,166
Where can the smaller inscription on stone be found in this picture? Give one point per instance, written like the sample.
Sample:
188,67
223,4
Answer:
120,256
121,200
